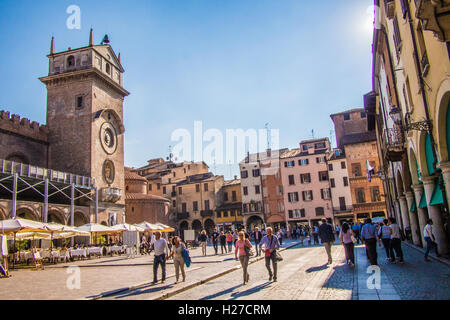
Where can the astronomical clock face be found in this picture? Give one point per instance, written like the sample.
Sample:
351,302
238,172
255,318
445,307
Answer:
108,138
109,171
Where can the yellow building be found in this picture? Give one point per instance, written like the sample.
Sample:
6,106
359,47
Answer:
195,200
229,214
412,86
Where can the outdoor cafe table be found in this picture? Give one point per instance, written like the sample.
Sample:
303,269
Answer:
118,249
78,253
94,250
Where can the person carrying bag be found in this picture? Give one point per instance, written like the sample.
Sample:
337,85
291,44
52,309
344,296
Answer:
271,244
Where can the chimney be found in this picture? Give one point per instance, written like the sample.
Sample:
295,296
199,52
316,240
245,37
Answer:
91,38
235,177
52,46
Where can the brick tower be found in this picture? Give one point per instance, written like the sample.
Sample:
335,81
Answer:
85,120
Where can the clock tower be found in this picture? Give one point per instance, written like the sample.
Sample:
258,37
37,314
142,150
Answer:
85,98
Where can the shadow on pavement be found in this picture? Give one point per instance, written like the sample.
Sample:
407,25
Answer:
144,290
315,269
221,293
250,291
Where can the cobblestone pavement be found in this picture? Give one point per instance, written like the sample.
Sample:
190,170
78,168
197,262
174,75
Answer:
97,276
103,275
302,276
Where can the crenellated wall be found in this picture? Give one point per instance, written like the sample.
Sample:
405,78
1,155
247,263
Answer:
23,140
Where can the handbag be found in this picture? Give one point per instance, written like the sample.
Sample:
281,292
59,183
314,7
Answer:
278,256
248,251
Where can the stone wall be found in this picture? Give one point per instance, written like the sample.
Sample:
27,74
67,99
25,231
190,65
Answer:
23,140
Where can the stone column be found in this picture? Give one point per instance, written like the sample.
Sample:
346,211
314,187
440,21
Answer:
445,167
404,210
436,215
398,214
422,214
414,222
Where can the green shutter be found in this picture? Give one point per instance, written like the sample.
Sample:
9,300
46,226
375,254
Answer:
423,201
413,207
419,175
437,197
429,154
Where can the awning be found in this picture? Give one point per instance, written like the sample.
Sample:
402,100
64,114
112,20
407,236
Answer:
437,197
423,201
413,207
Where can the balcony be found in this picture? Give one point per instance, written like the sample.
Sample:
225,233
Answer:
435,17
173,194
394,140
182,215
342,209
111,194
206,213
30,171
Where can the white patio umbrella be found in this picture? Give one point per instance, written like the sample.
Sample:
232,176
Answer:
127,227
165,228
21,225
147,226
96,228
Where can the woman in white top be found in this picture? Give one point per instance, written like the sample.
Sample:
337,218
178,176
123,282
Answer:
396,241
178,260
429,238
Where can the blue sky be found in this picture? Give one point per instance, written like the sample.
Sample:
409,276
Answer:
229,63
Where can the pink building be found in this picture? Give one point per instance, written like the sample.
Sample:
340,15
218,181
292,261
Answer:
304,173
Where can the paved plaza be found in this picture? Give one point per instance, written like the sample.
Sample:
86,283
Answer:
302,275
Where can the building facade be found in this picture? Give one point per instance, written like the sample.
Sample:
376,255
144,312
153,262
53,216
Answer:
251,184
341,196
306,187
140,205
409,104
229,213
360,148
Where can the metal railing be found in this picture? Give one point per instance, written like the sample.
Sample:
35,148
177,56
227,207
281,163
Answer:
30,171
394,137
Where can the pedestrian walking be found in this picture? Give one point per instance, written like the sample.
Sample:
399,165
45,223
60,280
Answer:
271,245
384,235
178,260
243,246
223,242
356,229
203,241
369,238
430,239
326,235
346,236
396,241
316,234
235,237
161,254
280,237
229,241
257,236
215,240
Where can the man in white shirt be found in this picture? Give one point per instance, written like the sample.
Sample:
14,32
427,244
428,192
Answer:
161,255
430,239
396,241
